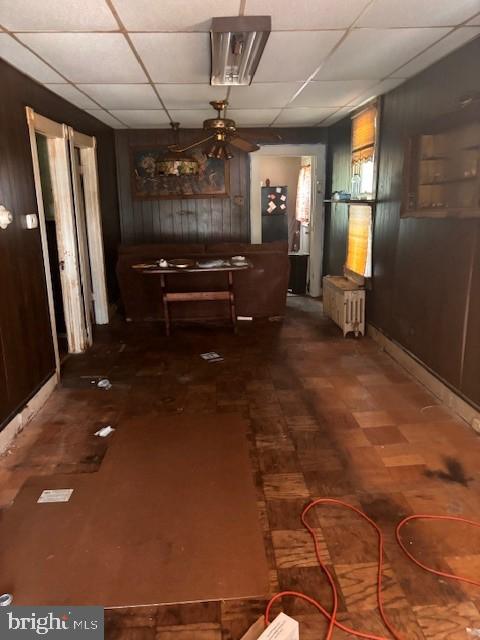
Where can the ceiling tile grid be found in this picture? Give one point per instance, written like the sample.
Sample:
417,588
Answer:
87,57
122,96
146,63
73,95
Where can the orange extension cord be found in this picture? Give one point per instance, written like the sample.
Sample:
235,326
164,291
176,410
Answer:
332,616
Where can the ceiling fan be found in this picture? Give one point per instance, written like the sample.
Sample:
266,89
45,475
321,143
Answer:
222,133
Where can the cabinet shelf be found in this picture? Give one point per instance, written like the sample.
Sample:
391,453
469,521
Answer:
445,212
370,202
454,142
452,181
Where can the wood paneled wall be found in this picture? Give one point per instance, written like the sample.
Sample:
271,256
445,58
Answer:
189,220
337,179
26,349
426,284
196,219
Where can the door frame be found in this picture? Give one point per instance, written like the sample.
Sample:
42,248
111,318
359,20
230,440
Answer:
60,142
317,220
93,219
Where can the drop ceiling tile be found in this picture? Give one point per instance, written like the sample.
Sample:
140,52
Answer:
330,93
87,57
73,95
123,96
190,96
263,95
106,118
306,14
191,118
27,62
336,116
302,116
294,55
56,15
376,53
412,13
175,57
451,42
143,119
377,90
474,21
173,15
253,117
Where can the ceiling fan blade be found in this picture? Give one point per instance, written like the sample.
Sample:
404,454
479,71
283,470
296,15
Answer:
243,144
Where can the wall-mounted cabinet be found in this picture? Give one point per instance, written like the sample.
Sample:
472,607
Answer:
442,171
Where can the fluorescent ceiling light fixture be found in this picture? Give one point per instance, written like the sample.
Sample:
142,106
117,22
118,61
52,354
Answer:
237,44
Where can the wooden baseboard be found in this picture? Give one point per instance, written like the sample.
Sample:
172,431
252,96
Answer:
435,385
25,415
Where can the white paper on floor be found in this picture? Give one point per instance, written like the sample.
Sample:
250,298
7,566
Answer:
211,356
104,431
282,628
55,495
104,383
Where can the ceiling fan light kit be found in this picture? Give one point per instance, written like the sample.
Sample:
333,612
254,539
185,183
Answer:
222,132
237,44
175,162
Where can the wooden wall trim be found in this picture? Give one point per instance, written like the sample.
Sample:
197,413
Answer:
460,405
21,419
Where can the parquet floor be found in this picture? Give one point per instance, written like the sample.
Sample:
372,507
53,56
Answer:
329,417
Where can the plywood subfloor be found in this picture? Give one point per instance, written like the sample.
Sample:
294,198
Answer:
169,517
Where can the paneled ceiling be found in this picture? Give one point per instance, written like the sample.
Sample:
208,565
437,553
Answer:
144,63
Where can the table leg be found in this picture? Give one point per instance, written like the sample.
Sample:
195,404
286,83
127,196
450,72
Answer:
166,311
233,312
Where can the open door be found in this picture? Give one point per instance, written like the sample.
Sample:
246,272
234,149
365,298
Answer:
75,200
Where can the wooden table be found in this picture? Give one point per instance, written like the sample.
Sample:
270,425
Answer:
188,296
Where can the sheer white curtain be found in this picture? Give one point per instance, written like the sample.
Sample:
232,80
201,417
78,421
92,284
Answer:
304,192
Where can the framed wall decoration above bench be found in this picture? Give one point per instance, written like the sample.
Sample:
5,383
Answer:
150,181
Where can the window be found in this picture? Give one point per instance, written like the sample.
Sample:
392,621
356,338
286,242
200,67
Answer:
364,134
359,250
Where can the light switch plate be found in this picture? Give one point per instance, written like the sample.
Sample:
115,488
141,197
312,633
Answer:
31,221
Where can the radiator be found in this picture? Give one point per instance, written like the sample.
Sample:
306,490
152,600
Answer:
344,303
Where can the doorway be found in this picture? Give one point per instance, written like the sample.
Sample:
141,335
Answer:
66,183
286,196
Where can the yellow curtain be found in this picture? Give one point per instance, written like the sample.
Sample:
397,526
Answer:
304,193
363,129
360,240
